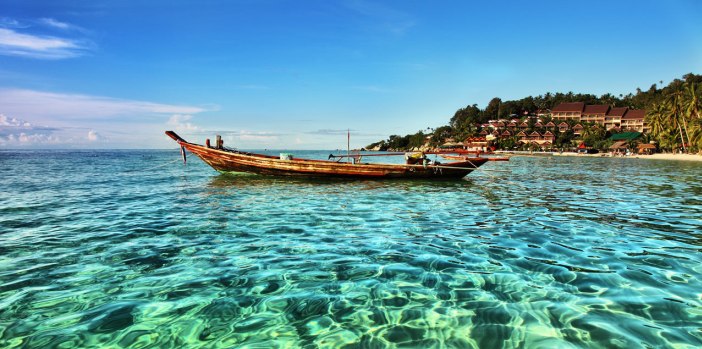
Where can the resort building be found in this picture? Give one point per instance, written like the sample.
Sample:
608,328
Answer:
562,127
613,119
536,138
475,143
633,120
568,111
595,113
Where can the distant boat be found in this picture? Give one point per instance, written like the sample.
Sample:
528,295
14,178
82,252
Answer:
228,160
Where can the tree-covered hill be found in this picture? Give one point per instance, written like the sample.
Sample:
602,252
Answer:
673,112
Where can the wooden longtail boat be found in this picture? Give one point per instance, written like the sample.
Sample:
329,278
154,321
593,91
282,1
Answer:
228,160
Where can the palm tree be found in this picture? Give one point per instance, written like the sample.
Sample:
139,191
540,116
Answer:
674,103
692,100
692,107
656,119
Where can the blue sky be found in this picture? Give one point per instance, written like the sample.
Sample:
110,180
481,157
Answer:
298,74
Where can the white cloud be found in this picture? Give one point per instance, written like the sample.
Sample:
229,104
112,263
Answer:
180,123
14,131
253,137
12,122
93,136
55,23
13,43
48,105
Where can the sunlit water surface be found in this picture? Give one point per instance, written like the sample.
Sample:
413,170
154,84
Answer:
126,249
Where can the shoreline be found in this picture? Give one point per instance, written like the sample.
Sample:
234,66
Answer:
657,156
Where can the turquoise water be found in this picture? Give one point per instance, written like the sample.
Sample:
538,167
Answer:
557,252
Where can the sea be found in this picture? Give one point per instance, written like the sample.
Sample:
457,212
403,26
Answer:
134,249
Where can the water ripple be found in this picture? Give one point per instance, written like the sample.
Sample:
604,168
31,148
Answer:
557,252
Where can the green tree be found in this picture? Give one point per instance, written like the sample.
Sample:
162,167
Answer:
493,108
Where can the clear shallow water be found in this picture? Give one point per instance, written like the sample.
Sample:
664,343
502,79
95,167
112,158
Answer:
557,252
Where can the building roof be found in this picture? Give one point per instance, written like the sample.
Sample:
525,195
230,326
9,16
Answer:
550,124
619,145
634,114
647,146
569,107
538,124
617,111
596,109
548,133
521,134
535,134
578,126
625,136
563,124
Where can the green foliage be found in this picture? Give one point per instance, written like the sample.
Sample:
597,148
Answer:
673,115
439,135
675,119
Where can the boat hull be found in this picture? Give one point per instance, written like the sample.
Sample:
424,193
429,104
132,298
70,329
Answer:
234,161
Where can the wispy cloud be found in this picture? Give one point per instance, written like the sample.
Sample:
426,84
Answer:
55,23
14,131
31,103
330,132
252,137
180,122
13,43
341,132
6,22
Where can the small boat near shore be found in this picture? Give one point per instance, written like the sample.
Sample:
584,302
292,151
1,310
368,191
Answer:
229,160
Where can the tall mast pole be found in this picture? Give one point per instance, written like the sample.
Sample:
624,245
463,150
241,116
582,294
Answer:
348,145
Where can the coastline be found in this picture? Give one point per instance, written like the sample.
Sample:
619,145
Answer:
658,156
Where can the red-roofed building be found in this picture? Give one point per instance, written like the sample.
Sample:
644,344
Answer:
634,120
568,111
562,127
548,136
578,129
610,118
613,119
594,113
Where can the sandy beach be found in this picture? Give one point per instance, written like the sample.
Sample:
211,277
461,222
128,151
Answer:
668,156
